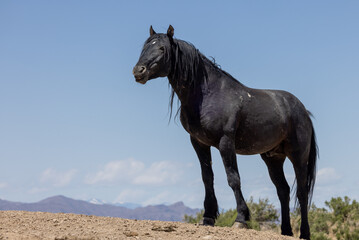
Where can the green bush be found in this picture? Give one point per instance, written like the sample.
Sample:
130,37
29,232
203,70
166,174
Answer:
342,209
194,219
339,220
226,218
262,213
319,219
319,223
344,217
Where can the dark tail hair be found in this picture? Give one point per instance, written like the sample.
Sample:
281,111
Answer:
312,166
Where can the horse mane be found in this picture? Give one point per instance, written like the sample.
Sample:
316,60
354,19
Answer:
188,68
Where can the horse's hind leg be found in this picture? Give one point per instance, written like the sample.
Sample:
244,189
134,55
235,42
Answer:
300,169
275,169
303,147
210,201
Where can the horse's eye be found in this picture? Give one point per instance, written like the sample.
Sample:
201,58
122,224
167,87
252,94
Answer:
162,48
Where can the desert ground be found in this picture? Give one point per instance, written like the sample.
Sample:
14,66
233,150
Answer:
59,226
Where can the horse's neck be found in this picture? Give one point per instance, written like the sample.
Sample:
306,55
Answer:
182,91
186,75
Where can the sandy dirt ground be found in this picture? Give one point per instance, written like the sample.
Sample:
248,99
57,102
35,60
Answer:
58,226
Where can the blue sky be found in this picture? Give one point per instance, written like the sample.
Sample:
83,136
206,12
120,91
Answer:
74,122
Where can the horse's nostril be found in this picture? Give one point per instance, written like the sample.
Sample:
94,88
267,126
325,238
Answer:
142,69
139,70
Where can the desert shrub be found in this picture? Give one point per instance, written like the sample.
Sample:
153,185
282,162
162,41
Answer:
319,221
194,219
344,218
262,212
226,218
339,220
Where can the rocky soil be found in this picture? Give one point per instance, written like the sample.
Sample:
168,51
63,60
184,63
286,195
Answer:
58,226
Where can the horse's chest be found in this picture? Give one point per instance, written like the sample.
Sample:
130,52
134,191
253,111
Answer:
199,127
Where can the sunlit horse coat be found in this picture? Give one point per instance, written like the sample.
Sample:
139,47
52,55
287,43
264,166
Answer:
217,110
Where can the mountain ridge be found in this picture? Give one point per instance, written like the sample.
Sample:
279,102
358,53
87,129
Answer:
62,204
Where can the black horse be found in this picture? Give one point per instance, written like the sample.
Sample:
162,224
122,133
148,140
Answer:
217,110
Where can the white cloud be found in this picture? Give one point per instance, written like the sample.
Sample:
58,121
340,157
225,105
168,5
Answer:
3,185
117,170
57,179
132,171
130,195
158,173
162,197
327,176
141,182
36,190
157,196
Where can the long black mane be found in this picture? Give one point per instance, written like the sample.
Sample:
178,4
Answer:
188,68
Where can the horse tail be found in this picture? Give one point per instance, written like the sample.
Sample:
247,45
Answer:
312,165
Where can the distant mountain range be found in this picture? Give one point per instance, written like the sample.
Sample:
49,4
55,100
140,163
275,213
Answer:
61,204
122,204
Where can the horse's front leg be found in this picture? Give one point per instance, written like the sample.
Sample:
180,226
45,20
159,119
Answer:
210,201
227,149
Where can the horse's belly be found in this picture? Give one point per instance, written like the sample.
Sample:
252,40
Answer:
255,147
252,150
259,140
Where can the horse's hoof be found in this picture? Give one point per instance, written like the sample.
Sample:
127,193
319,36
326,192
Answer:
240,225
208,221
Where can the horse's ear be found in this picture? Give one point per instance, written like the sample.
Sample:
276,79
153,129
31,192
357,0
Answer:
170,31
152,32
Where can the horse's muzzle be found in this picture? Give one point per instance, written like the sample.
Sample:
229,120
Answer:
140,74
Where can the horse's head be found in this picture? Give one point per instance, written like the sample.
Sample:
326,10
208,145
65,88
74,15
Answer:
155,58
